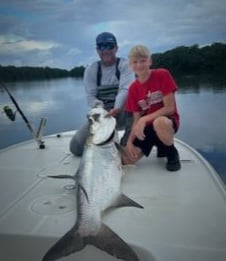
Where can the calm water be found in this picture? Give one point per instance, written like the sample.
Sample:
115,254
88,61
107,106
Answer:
62,102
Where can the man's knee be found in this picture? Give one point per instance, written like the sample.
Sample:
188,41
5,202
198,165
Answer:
76,147
78,141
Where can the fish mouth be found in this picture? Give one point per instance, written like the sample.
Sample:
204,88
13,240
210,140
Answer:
102,125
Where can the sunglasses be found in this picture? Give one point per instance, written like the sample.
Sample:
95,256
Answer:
105,46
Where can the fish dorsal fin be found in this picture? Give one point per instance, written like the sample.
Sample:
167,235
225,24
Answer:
111,243
124,201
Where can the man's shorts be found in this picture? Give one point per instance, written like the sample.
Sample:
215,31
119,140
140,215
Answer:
151,139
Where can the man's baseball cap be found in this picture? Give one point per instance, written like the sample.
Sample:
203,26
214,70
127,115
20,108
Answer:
106,37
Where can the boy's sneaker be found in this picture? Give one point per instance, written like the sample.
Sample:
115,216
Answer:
173,162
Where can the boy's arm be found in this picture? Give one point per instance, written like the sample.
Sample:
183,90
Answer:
132,136
132,152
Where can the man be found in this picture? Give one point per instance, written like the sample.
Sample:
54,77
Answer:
106,82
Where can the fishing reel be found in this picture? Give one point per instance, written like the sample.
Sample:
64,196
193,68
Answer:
9,113
37,135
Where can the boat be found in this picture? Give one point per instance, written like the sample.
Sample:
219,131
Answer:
183,218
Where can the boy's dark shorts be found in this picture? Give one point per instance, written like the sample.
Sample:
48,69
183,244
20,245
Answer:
151,139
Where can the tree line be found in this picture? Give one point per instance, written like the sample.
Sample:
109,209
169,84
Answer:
193,60
25,73
181,61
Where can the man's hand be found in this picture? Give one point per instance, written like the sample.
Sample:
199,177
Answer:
114,112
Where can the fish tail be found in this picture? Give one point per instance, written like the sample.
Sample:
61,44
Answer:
71,242
108,241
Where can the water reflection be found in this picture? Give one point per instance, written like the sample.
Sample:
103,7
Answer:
201,118
201,103
62,102
198,84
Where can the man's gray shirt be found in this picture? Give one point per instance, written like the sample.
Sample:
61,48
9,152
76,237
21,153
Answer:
108,78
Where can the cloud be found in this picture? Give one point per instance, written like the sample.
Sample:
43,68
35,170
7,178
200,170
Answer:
65,30
16,44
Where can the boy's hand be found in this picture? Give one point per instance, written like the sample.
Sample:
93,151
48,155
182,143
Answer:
132,151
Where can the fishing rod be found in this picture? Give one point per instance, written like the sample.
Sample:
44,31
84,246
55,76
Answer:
11,115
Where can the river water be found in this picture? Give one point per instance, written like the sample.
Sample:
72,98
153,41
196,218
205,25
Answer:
62,102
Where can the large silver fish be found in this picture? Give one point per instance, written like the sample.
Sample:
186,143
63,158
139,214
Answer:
98,181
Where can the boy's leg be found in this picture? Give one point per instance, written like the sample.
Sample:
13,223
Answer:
77,142
161,149
173,159
151,139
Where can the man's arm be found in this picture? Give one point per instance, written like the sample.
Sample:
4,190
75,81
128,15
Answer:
90,85
126,78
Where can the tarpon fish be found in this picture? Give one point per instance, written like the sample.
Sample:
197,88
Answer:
98,182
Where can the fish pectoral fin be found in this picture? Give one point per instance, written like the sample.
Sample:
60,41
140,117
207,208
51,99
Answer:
61,177
71,242
64,176
124,201
110,242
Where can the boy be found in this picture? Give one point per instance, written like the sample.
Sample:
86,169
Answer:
151,99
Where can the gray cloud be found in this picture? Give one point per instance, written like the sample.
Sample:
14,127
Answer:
62,33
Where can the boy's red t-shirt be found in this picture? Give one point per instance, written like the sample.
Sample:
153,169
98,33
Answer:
147,97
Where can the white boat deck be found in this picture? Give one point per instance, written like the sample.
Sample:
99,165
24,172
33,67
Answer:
184,215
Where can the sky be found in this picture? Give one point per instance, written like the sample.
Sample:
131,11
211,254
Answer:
61,33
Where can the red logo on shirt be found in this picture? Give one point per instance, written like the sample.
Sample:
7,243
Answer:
150,99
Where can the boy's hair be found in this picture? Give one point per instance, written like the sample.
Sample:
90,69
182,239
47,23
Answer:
139,51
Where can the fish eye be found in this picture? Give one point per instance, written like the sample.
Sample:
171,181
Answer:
96,116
